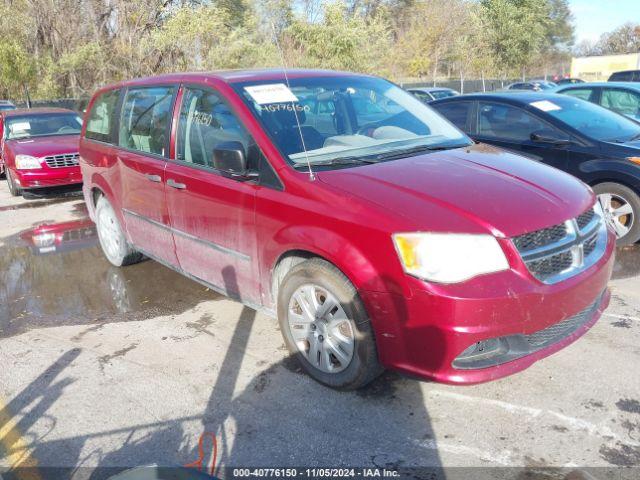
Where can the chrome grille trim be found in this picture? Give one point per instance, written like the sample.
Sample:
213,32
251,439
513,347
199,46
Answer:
584,243
63,160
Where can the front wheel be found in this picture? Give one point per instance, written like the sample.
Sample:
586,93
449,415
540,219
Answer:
14,190
325,325
621,207
112,239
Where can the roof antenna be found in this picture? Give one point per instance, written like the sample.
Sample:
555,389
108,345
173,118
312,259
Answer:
312,176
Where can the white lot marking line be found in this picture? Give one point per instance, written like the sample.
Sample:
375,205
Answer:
624,317
575,423
504,457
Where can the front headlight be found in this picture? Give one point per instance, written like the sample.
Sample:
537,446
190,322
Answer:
449,257
27,162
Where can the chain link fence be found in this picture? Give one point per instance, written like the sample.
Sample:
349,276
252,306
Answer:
466,86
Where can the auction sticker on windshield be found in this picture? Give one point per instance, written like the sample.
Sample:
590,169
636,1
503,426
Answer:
20,127
545,105
273,93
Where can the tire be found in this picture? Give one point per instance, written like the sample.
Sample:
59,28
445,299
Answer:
328,360
617,198
112,239
14,190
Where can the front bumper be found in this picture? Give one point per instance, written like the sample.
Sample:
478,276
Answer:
47,177
425,333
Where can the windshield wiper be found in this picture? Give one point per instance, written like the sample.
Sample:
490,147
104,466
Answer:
337,162
418,149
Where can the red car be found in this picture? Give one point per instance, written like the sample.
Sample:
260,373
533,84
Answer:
378,233
49,238
39,148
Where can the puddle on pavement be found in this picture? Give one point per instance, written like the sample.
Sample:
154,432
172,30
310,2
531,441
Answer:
627,262
55,274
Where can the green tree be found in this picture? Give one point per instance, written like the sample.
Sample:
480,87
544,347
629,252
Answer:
340,40
517,31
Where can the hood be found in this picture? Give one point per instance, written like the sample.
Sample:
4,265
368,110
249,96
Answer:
625,149
472,190
45,146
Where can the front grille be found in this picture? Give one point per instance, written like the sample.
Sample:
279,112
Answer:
590,245
551,265
79,234
540,238
66,160
558,331
584,219
561,251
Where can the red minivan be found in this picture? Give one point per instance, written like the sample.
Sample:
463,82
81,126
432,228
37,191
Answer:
39,148
377,232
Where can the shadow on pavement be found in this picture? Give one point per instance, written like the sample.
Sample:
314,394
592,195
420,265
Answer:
279,418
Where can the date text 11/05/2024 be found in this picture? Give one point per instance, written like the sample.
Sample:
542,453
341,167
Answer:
315,472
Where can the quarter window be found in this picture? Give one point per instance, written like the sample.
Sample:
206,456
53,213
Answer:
205,122
505,122
100,121
457,113
145,120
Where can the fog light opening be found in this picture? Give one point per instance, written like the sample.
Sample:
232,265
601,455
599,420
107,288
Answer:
480,352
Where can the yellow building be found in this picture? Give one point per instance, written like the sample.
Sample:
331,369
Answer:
598,68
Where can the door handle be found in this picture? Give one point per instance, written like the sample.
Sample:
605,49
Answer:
153,178
172,183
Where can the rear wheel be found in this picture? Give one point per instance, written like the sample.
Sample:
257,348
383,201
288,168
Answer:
621,207
14,190
112,239
325,325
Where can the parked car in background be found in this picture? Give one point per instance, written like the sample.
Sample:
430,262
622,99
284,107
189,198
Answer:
621,97
600,147
535,85
625,76
427,94
568,81
39,148
6,105
393,243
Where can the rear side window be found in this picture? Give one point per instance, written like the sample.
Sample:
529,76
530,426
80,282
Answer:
101,116
581,93
457,113
145,119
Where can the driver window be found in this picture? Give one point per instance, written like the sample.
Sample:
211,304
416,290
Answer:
205,122
506,122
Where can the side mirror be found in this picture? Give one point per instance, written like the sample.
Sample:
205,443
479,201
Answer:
550,137
230,157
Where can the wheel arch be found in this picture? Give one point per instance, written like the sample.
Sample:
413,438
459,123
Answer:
324,244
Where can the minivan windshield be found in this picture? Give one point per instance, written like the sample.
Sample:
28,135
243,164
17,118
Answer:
591,120
42,125
346,119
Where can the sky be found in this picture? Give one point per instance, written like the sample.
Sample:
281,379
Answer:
594,17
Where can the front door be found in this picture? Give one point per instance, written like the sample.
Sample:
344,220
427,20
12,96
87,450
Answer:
212,214
143,138
511,127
